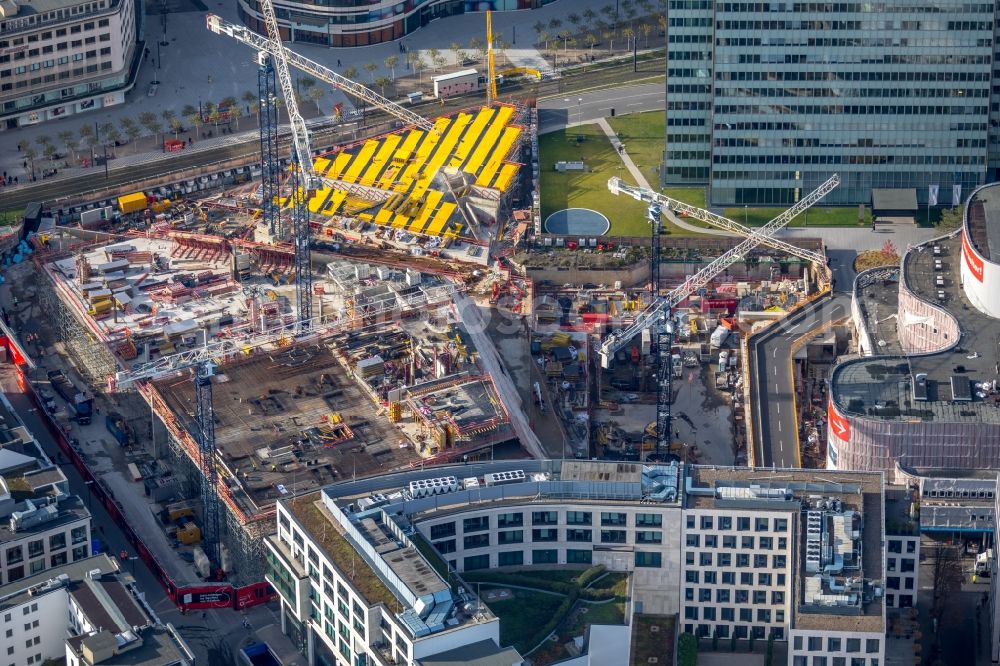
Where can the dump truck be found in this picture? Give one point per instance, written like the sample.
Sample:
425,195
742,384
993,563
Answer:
82,406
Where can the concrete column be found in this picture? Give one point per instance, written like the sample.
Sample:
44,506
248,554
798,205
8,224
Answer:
310,645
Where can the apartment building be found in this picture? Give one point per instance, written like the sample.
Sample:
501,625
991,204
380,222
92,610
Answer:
766,100
61,57
87,613
792,555
40,534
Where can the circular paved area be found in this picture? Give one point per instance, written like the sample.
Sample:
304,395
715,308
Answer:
577,221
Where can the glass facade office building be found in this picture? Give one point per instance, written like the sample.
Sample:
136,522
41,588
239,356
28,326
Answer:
765,100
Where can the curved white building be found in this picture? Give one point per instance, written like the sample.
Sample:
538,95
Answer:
924,393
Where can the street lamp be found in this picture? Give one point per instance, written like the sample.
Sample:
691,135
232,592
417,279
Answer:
746,214
579,110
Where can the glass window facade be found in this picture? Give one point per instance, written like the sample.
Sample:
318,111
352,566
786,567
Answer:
766,100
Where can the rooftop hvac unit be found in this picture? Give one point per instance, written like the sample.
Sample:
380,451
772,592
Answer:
501,478
437,486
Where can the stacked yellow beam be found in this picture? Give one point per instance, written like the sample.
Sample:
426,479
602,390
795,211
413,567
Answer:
500,153
485,147
381,159
440,219
418,224
471,137
360,162
507,173
399,158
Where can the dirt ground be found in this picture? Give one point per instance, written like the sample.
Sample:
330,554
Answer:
704,417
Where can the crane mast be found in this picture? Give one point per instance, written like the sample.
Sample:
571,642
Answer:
655,311
491,75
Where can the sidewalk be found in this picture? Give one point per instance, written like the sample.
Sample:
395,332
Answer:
197,66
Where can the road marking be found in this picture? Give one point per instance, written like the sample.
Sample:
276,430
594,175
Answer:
779,426
779,406
776,371
794,327
774,354
781,445
775,387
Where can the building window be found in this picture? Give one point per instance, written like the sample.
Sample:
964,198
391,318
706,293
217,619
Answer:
780,524
706,522
693,540
15,555
833,645
476,541
648,520
36,566
871,645
544,518
514,558
743,524
442,530
725,523
79,534
79,553
477,524
58,559
853,645
510,520
729,541
815,643
613,536
547,556
16,573
574,556
578,518
691,576
474,562
579,535
511,536
705,559
613,519
724,559
446,546
653,560
761,524
548,534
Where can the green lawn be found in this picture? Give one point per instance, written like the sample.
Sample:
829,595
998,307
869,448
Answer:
523,615
814,217
643,135
588,189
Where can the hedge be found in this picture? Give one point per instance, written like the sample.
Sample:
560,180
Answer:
557,617
590,575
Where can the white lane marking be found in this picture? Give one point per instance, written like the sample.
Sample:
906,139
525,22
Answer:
778,404
775,371
775,353
775,387
794,327
779,426
781,445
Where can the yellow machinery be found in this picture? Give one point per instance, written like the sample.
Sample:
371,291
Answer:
188,533
491,75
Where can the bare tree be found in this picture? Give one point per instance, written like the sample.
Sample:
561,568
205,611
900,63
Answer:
68,139
382,82
391,62
370,67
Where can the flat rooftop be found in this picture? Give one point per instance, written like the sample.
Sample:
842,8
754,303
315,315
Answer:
879,304
67,511
984,222
861,492
292,421
16,593
881,386
471,405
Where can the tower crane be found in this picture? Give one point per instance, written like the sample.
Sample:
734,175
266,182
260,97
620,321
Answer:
263,44
618,186
657,315
491,74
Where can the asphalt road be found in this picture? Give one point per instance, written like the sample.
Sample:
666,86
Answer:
572,108
772,393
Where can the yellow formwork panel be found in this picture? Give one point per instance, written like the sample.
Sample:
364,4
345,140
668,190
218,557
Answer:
336,200
339,164
500,153
318,201
399,159
454,231
321,165
507,173
420,221
381,159
423,150
400,220
360,162
471,137
383,216
441,218
442,153
485,146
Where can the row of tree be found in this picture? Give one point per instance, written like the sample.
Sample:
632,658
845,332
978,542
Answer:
591,26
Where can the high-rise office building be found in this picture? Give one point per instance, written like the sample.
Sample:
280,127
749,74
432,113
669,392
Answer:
765,100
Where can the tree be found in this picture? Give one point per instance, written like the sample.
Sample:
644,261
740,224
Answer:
236,112
564,35
539,28
176,126
457,53
647,30
687,650
131,130
951,218
370,67
195,120
574,19
628,34
555,24
590,40
437,59
249,97
68,139
306,82
382,82
661,20
433,54
351,72
315,95
610,36
49,152
391,62
416,62
43,141
545,37
479,46
149,120
589,15
87,135
28,152
188,110
168,116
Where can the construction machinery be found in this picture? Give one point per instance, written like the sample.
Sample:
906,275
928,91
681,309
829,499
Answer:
243,34
658,314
